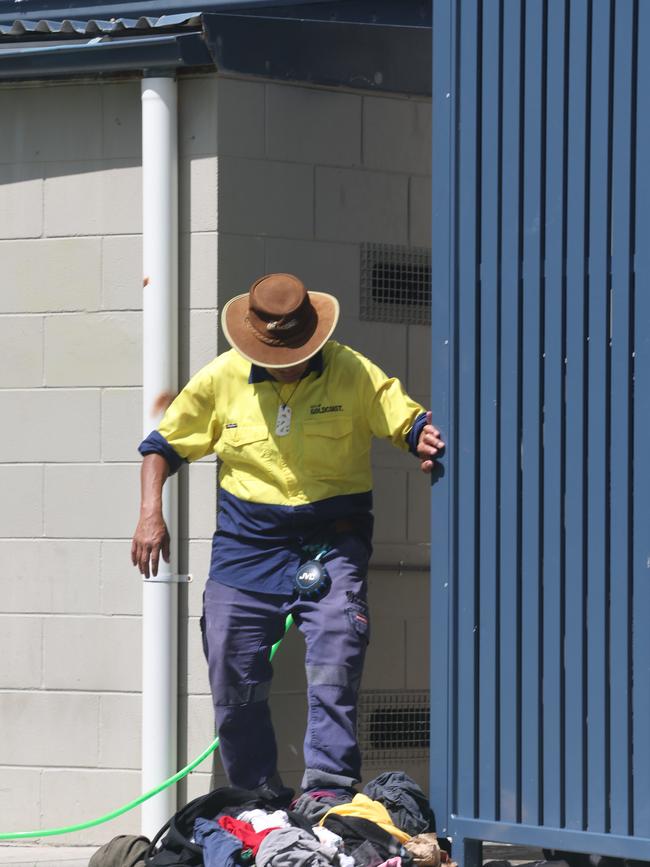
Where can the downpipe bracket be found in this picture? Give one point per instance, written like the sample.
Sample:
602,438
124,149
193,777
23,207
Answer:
167,579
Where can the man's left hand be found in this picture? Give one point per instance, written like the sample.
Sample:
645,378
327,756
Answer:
429,445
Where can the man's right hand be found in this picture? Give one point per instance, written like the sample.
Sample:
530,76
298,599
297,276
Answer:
151,537
150,540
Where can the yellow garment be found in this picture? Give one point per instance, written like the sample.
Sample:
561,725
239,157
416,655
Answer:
326,452
363,807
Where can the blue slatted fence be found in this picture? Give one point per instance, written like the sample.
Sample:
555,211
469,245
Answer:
541,339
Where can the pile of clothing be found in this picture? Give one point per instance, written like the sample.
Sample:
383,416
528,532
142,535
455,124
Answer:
389,824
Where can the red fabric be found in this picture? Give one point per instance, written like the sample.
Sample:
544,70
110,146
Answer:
244,831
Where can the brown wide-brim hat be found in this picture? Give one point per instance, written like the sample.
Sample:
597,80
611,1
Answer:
278,323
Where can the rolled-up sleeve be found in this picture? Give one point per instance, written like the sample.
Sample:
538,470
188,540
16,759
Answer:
413,436
156,444
189,427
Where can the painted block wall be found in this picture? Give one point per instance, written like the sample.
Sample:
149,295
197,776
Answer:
272,177
70,221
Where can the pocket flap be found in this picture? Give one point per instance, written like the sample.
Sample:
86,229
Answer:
242,436
330,427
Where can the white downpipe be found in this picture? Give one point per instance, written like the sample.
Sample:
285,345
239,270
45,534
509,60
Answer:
159,378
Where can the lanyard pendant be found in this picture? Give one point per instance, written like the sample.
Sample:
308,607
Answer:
283,421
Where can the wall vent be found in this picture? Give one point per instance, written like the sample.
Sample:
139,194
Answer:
394,725
395,284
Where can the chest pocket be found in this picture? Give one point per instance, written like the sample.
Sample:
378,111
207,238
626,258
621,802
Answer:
328,447
244,445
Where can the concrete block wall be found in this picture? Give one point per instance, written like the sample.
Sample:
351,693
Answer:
70,400
272,178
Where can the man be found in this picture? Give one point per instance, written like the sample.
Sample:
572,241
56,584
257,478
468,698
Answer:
291,414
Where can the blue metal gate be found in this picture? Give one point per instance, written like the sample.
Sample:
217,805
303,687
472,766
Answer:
541,359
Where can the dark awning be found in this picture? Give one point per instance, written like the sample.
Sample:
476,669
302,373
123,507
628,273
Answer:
376,57
380,46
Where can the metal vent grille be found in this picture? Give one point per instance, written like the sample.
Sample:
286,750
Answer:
394,725
396,284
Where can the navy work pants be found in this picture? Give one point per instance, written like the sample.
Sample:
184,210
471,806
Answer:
239,629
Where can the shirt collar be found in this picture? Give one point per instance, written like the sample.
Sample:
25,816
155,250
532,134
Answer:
261,374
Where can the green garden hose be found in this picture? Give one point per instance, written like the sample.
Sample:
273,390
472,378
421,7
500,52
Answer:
91,823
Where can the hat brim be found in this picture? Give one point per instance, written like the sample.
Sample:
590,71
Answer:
241,338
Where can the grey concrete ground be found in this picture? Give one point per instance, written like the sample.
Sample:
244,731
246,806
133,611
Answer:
43,856
78,856
514,854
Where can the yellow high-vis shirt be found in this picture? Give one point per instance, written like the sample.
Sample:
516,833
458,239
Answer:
325,451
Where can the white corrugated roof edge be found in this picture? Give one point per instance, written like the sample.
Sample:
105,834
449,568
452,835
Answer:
96,27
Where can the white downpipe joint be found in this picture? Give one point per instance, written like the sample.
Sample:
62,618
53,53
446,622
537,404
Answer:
159,385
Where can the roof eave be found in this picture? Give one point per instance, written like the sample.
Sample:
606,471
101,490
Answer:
104,57
377,57
384,58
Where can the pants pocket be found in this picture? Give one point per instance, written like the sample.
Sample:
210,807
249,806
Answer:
359,617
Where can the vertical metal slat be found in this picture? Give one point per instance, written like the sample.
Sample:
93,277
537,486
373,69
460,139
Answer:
597,444
531,416
641,458
509,407
553,443
575,458
488,396
468,422
442,402
620,409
